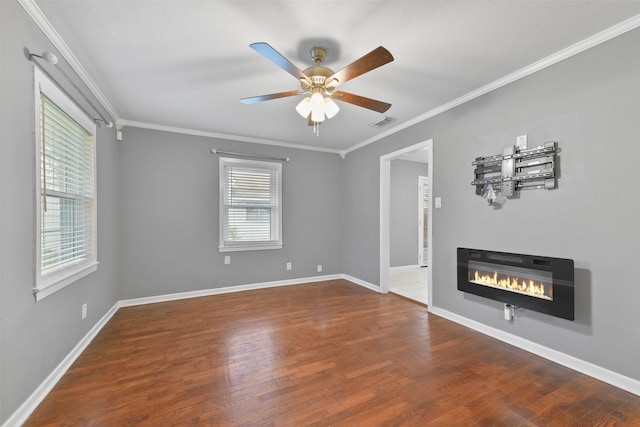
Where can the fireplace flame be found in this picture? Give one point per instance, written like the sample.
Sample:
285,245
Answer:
514,284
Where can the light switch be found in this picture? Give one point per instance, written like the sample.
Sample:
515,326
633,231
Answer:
521,142
438,202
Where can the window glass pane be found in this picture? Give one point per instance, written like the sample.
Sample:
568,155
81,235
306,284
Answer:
66,189
250,211
249,224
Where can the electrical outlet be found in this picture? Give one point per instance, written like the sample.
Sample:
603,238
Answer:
289,266
227,259
319,268
509,312
84,310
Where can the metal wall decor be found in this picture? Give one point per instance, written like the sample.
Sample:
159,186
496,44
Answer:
516,169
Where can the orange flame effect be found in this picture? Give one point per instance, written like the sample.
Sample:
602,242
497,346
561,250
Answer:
514,284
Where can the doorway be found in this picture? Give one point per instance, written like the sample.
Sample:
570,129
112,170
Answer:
425,148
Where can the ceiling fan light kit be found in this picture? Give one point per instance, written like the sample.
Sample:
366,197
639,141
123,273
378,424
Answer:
321,82
318,106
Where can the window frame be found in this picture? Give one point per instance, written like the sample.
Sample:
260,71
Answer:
57,278
256,245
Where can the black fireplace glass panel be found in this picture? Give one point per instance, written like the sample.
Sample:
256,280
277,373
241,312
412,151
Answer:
526,281
556,274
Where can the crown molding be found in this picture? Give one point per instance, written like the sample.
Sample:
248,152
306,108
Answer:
41,20
45,25
122,123
592,41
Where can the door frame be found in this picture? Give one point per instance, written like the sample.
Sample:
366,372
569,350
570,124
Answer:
385,213
422,182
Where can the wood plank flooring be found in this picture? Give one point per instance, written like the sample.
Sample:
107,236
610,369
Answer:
324,354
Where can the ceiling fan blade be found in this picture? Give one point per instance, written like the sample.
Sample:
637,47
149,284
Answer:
254,99
372,60
277,58
362,101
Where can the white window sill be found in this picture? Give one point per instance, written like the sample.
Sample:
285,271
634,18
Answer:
52,283
240,248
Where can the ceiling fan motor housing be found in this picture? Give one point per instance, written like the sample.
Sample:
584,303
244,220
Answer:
318,76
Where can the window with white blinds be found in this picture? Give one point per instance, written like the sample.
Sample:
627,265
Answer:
250,205
66,190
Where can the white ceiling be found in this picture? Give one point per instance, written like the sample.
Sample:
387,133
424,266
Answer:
186,64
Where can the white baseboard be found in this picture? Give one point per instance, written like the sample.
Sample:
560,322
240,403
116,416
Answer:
22,413
361,282
405,267
225,290
610,377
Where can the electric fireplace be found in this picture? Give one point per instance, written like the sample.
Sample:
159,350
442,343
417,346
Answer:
537,283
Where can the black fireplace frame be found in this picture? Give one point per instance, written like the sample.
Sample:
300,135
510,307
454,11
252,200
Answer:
562,271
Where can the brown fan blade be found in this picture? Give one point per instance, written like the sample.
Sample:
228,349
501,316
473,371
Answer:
361,101
254,99
277,58
372,60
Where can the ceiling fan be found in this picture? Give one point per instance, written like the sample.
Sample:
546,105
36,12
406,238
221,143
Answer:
321,82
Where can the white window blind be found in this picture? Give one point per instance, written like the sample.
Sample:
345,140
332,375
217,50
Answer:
250,204
66,181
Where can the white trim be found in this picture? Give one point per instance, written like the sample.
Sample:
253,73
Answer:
385,223
50,32
422,182
615,379
225,290
65,278
271,166
185,131
385,213
22,413
41,20
561,55
405,267
44,85
241,288
48,282
361,282
247,248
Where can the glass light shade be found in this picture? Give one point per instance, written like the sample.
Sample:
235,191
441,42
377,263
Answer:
304,107
316,100
317,107
317,115
330,107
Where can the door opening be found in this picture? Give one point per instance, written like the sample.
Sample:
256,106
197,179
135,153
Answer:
385,213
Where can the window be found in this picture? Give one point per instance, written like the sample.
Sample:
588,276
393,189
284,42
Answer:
250,205
65,180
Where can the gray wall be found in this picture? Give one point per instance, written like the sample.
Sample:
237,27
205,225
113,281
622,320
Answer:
158,213
589,104
169,211
403,225
36,336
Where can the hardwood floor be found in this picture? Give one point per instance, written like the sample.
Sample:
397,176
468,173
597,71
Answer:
327,353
